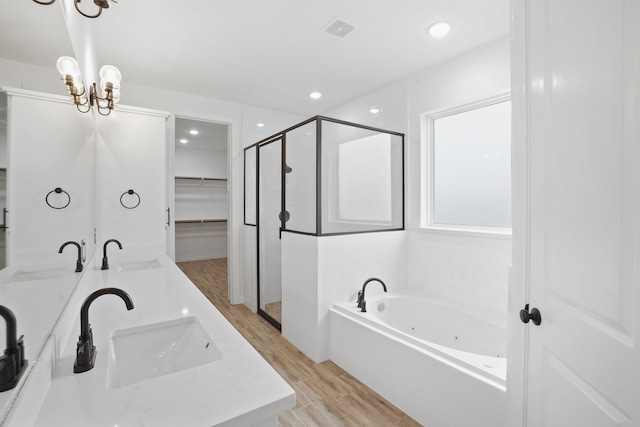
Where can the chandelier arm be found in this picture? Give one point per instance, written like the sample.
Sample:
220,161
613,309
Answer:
103,108
45,2
84,111
84,14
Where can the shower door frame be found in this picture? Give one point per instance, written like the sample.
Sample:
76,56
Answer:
282,139
282,136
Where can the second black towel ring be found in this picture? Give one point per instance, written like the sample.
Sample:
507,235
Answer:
130,192
57,190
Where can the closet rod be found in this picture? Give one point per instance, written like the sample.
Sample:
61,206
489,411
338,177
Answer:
198,221
200,178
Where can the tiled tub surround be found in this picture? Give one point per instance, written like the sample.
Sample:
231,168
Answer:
240,388
450,377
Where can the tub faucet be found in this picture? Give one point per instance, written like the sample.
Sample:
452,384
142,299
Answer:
105,261
85,350
13,364
362,304
79,261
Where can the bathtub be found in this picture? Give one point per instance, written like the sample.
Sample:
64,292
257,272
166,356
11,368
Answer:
440,365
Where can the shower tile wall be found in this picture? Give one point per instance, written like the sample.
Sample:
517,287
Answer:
319,272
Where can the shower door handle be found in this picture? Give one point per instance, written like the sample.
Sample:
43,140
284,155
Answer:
533,315
4,219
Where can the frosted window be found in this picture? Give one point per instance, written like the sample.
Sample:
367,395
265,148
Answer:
472,167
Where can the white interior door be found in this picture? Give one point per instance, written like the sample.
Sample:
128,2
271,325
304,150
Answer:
584,212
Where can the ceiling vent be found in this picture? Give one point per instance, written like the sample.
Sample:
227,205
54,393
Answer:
339,28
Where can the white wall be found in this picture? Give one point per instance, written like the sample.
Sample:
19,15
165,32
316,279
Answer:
463,268
200,162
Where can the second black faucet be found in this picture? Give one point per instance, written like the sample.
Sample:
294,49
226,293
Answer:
79,261
105,261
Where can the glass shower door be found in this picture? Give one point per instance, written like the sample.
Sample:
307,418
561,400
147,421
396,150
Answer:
269,207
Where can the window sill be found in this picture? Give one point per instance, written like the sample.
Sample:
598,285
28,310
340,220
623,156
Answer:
484,232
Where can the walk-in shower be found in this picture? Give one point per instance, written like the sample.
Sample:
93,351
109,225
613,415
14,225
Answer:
321,177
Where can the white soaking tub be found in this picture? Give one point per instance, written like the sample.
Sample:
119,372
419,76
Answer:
440,365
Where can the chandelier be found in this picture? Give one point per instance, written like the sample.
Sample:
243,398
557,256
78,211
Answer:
102,4
109,84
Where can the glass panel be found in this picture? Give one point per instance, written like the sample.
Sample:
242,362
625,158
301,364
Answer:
361,179
472,167
269,229
300,175
250,185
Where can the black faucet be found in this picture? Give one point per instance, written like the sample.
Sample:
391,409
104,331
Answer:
79,261
13,364
105,261
362,304
85,350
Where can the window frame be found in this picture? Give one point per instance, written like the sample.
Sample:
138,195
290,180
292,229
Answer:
427,171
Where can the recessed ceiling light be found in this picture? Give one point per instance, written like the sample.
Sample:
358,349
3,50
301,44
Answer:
184,141
375,110
439,30
260,124
193,132
315,95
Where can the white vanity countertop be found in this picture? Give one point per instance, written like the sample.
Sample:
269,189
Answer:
35,317
239,389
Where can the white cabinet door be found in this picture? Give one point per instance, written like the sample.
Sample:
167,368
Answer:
50,146
584,212
131,155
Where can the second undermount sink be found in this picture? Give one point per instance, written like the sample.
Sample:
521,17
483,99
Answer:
150,351
138,265
26,276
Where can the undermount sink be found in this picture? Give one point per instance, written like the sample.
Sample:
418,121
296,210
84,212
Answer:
150,351
138,265
26,276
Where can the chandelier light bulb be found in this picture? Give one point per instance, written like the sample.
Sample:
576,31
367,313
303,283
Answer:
109,73
68,66
115,96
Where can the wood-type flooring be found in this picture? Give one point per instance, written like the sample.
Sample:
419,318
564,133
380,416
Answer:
326,395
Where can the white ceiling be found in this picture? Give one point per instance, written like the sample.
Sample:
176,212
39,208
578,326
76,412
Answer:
263,53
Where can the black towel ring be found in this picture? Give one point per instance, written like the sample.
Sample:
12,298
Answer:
57,190
131,192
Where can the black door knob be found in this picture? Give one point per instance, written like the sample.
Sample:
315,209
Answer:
533,315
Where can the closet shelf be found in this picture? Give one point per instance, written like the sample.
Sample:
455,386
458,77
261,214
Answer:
198,221
200,178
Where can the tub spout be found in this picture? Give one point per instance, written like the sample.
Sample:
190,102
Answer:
362,304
